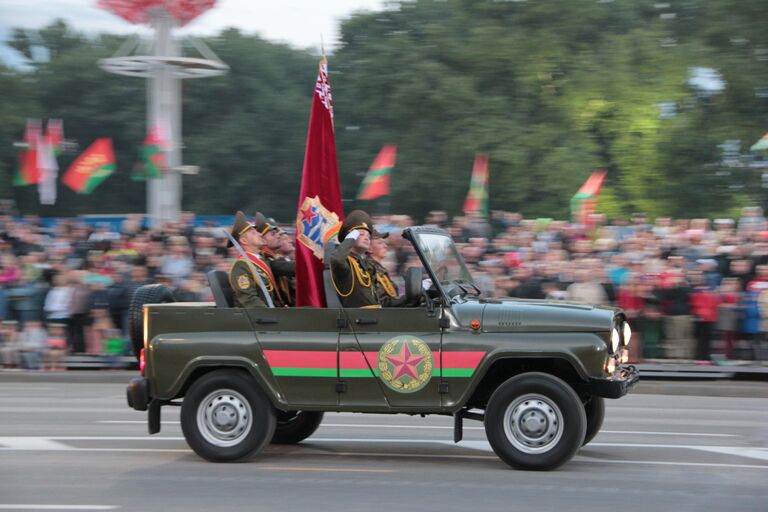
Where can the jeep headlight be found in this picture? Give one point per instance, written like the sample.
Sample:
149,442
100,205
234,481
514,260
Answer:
615,340
627,331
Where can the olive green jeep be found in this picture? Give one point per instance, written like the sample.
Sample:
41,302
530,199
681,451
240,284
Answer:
534,372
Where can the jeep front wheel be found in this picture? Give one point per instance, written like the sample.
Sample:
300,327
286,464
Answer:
295,426
226,417
535,421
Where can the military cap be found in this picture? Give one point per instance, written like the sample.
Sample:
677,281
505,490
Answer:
264,225
240,226
272,221
378,234
357,219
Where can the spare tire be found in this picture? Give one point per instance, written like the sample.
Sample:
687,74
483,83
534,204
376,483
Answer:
148,294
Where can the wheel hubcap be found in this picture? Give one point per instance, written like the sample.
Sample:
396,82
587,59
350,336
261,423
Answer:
224,417
533,423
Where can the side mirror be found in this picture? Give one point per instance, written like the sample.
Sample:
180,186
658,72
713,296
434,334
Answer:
413,277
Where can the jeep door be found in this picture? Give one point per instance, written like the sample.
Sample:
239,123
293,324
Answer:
391,357
300,346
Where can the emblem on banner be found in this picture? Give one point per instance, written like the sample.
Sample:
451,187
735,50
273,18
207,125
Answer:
405,364
315,225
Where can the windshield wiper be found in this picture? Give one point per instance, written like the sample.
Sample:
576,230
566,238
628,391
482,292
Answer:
462,282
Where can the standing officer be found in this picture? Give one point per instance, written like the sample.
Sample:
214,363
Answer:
351,271
247,292
386,290
283,270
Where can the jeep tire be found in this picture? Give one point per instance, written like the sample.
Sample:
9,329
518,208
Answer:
535,421
595,411
295,426
148,294
226,417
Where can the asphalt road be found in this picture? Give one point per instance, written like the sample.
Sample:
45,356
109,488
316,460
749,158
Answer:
76,446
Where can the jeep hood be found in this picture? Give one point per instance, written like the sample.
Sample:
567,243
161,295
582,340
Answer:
517,315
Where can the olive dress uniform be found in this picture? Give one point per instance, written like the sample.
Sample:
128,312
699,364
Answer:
386,291
353,275
246,290
248,293
283,270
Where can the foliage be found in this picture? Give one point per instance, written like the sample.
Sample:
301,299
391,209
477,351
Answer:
550,90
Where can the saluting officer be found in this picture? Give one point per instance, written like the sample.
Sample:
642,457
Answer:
247,292
283,269
351,271
386,289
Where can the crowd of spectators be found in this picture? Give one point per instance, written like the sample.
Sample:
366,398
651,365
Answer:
692,289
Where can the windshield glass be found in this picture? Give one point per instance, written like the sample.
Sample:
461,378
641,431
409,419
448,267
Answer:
444,260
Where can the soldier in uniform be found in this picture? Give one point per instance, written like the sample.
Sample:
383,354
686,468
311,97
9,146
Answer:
351,270
283,270
386,290
247,292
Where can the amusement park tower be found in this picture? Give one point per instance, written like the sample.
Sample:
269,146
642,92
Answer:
165,68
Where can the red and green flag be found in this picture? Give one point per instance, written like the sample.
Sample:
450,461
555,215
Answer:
376,182
584,202
153,157
54,135
91,168
477,197
761,145
27,172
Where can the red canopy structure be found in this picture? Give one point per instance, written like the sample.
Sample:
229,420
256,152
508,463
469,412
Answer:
140,11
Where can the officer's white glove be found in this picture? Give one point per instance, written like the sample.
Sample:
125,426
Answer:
426,284
353,234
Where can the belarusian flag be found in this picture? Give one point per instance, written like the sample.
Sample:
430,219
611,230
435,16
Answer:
152,156
28,172
761,145
54,135
376,182
92,167
319,213
477,197
583,203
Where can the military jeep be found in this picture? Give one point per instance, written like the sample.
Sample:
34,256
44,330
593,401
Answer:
536,373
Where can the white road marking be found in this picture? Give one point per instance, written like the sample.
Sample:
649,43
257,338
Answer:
32,444
580,458
439,427
22,443
31,506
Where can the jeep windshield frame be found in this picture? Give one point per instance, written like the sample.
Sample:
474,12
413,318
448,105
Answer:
443,262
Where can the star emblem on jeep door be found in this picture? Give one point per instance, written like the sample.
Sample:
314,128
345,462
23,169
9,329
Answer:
405,363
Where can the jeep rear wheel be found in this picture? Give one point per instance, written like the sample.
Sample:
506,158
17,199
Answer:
295,426
226,417
535,421
595,410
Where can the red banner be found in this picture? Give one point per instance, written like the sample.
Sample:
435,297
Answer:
319,213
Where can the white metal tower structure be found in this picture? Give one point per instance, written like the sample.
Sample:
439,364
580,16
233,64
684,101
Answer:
165,68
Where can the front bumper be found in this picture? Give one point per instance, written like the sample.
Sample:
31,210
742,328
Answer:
625,379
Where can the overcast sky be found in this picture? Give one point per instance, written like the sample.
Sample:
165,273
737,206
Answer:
297,22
